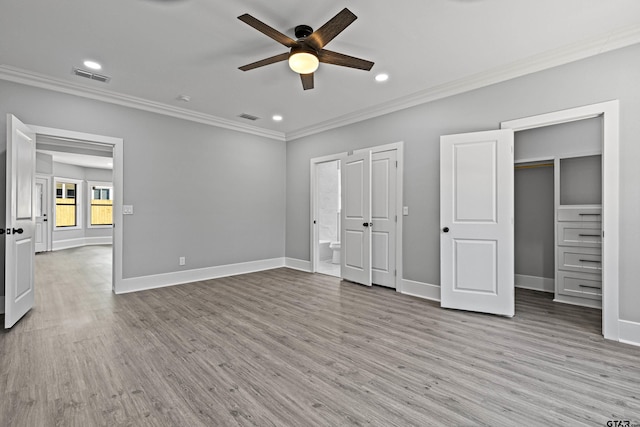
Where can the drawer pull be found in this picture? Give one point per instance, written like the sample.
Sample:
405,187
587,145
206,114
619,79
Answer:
590,287
588,235
586,214
590,260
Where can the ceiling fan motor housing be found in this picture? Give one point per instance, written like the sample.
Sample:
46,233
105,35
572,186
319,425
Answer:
303,31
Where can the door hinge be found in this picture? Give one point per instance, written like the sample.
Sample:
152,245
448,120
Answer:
396,218
395,273
396,163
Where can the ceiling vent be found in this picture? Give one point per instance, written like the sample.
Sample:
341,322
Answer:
91,75
248,117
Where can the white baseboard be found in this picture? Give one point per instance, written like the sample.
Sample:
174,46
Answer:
298,264
535,283
421,290
1,305
629,332
82,241
135,284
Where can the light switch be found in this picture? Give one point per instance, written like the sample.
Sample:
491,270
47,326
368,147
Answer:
405,210
127,209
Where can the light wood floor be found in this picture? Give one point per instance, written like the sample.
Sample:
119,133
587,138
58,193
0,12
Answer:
286,348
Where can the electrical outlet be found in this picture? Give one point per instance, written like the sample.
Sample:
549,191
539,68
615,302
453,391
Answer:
182,260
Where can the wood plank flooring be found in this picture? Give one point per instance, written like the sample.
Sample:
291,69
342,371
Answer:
287,348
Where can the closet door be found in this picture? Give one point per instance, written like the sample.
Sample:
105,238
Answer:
476,217
355,253
384,172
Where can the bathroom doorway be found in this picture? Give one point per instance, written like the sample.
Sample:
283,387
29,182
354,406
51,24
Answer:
328,205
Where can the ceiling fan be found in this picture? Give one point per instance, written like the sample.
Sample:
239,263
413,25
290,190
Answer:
308,50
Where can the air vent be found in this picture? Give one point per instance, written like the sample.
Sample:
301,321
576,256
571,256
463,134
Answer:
249,117
91,75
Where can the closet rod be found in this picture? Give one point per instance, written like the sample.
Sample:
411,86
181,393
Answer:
537,165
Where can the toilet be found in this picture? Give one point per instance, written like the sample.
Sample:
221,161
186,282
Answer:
335,247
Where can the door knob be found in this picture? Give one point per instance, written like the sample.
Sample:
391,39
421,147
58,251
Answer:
446,229
367,224
17,231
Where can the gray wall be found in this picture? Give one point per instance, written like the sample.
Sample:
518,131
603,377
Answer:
581,181
579,137
212,195
534,222
613,75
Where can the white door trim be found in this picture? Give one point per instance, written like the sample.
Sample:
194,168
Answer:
118,179
610,111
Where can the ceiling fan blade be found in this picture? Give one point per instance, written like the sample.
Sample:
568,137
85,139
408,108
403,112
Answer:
267,30
307,81
266,61
335,58
332,28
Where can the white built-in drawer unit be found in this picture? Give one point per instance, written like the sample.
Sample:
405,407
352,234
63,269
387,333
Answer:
584,234
586,260
580,285
579,254
582,214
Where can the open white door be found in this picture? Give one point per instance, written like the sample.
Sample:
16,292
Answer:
20,221
355,252
476,216
42,219
383,213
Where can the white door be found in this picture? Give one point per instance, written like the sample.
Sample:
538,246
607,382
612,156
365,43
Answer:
476,219
383,215
355,251
42,215
20,221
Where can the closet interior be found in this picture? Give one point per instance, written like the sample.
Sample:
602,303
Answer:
558,211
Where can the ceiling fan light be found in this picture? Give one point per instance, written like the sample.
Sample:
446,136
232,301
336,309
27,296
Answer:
303,62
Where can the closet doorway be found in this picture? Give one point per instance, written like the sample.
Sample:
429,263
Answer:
474,277
608,113
558,207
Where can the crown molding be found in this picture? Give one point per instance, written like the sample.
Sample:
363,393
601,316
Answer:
30,78
624,37
620,38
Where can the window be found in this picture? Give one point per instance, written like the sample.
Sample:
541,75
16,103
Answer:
66,204
101,204
69,209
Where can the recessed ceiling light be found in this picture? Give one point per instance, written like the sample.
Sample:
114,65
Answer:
277,118
382,77
93,65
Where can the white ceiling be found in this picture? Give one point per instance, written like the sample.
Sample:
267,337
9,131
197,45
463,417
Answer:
156,50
